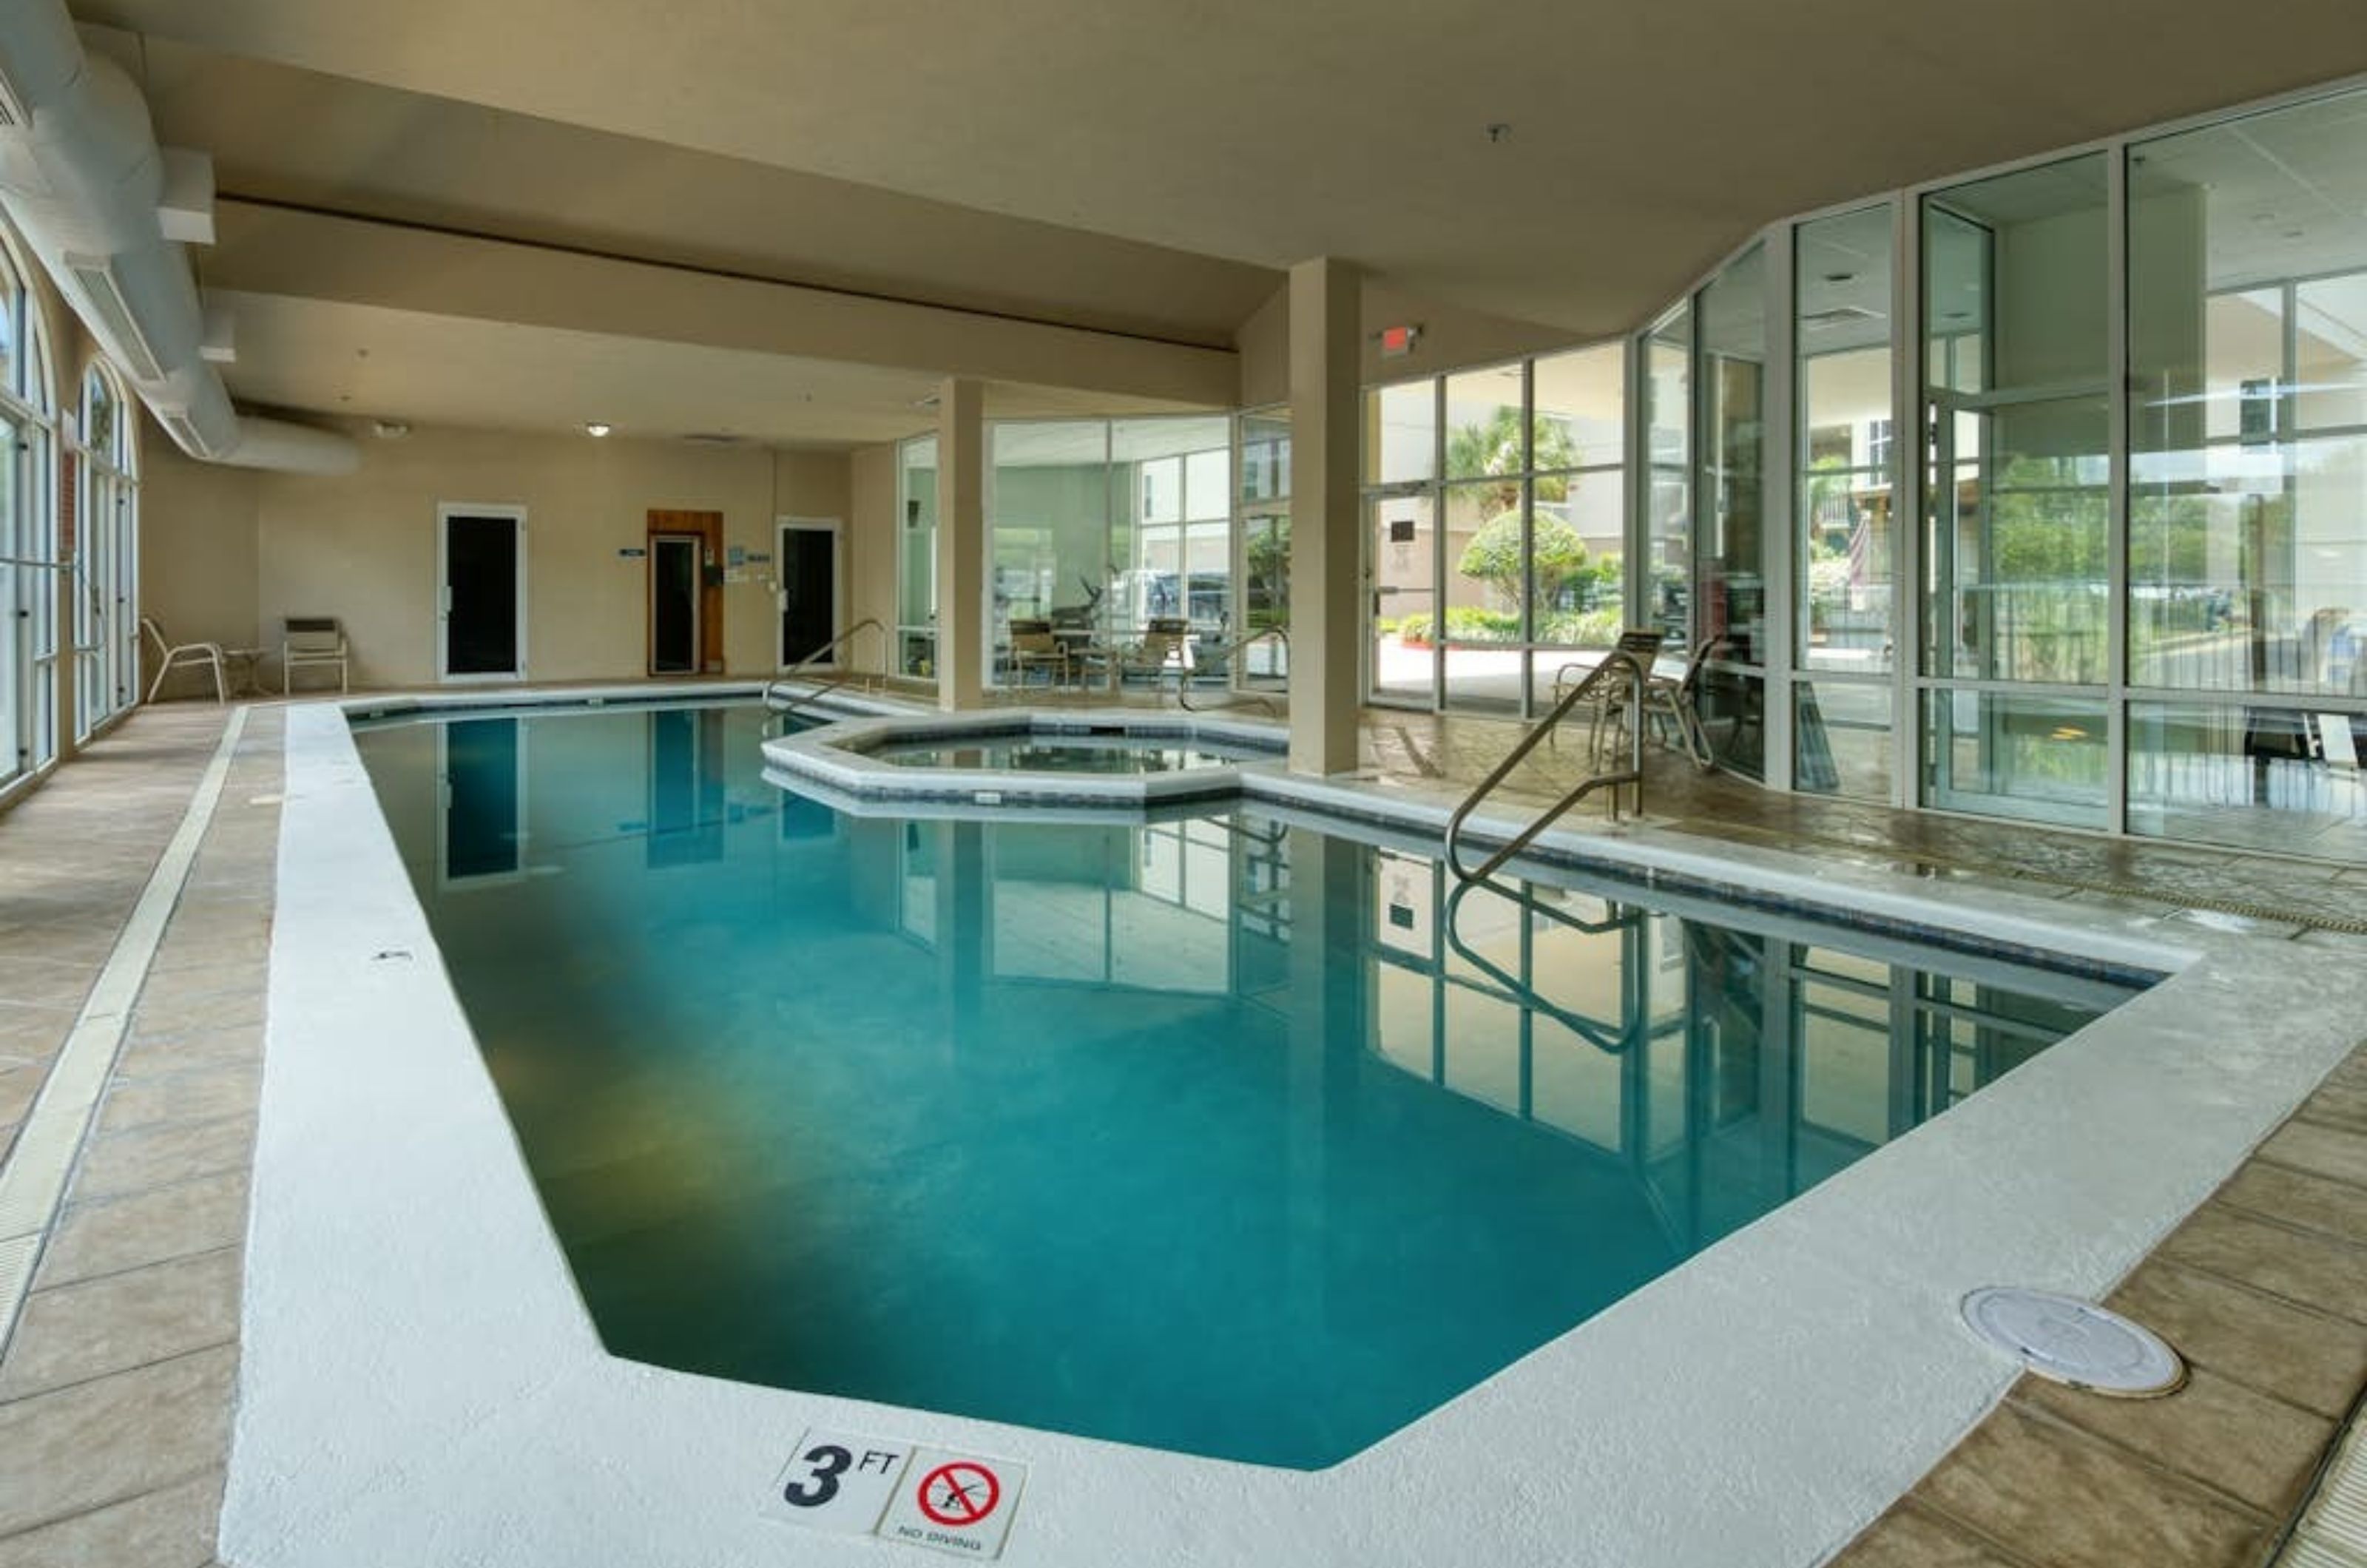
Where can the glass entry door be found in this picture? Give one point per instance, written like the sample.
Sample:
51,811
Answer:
1402,539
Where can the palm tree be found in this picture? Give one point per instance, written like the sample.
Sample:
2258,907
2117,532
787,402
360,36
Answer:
1495,448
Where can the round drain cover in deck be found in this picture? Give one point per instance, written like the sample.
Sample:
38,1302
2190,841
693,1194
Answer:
2074,1342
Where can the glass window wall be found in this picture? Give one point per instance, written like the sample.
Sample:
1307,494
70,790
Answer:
2248,482
916,558
1512,566
29,578
106,556
2018,491
1119,535
1667,416
1730,550
1845,485
1265,573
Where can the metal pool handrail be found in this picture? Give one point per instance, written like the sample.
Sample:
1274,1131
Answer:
1618,665
1184,680
784,703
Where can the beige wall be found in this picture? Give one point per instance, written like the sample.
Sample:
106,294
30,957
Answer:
197,564
363,548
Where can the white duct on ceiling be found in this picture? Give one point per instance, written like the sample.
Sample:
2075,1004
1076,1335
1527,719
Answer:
82,176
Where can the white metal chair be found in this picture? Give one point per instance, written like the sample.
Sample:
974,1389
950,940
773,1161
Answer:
213,656
1166,645
308,642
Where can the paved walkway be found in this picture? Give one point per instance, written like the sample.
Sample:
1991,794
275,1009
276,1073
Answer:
117,1383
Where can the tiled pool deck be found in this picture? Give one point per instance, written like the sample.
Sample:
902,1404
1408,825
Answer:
117,1382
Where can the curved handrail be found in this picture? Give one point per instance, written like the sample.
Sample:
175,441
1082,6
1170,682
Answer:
785,704
1616,665
1183,677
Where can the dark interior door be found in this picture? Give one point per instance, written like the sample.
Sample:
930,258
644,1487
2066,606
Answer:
674,604
808,591
480,596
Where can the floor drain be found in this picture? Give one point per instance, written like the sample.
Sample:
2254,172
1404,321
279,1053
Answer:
2076,1342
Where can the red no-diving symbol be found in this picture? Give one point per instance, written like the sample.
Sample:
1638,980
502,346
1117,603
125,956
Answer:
959,1493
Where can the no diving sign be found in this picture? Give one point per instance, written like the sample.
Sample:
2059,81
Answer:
850,1484
957,1503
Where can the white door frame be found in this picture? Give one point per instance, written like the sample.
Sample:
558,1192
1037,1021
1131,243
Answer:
697,543
444,512
836,529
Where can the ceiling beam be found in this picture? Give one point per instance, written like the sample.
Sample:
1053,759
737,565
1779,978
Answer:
265,249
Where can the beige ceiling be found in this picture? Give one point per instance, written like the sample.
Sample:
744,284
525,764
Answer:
280,134
362,360
1645,139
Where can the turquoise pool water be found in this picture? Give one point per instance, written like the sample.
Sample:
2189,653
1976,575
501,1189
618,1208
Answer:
1216,1134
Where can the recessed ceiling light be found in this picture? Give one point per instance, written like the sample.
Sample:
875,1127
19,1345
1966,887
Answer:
389,429
597,428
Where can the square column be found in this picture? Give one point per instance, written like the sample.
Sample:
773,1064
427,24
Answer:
961,543
1326,535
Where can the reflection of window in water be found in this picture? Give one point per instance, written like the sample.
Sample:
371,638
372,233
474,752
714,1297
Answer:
1679,1046
686,786
1145,907
483,768
916,880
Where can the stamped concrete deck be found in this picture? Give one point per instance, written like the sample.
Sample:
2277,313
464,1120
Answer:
117,1381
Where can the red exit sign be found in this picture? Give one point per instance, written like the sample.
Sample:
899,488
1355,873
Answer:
1398,342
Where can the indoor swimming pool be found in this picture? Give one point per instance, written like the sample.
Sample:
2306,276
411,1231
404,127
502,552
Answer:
1229,1133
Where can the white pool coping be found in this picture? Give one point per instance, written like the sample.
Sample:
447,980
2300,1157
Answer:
419,1383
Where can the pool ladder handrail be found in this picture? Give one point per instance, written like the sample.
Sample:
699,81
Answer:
1615,665
785,704
1612,1042
1183,676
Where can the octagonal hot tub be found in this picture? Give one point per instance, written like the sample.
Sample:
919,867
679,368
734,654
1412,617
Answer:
1118,759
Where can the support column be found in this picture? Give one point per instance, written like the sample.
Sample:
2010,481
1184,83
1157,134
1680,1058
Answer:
1326,567
962,543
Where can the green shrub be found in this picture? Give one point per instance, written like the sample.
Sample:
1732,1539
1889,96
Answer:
1465,623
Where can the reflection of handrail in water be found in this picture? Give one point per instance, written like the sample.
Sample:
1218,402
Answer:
1596,1033
1239,644
1232,824
785,704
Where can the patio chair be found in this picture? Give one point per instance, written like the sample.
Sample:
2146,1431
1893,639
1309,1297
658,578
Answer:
213,656
1609,703
309,642
1166,644
1034,647
1674,699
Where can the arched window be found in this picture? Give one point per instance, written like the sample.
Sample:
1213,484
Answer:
30,577
106,553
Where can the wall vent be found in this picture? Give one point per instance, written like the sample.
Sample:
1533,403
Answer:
96,281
